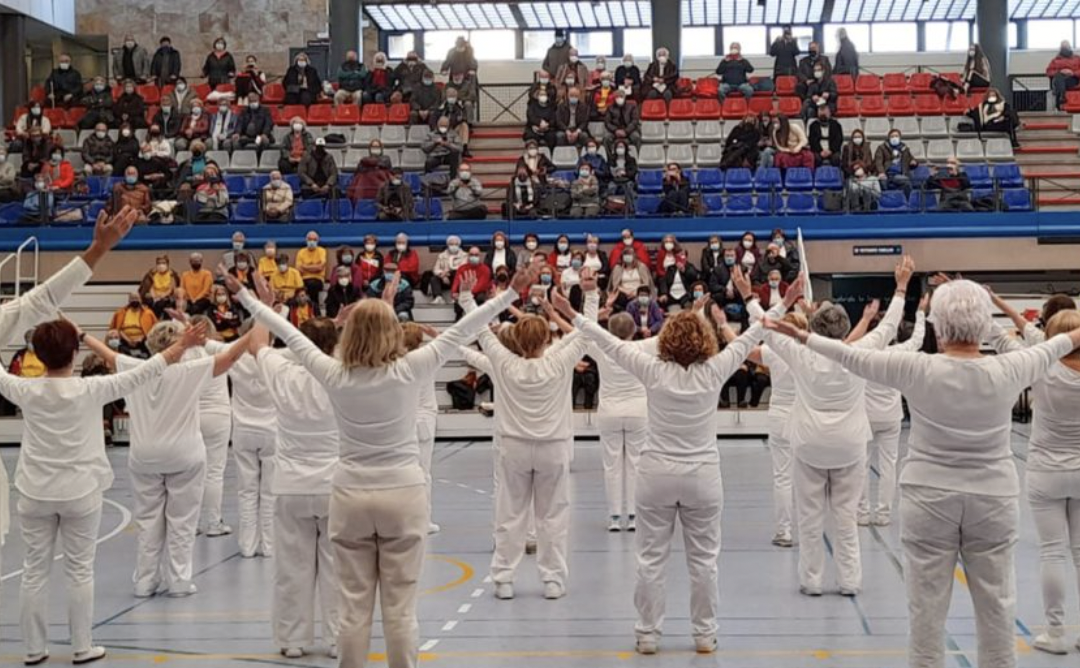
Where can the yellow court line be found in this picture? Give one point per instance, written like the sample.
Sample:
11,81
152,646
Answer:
961,576
467,573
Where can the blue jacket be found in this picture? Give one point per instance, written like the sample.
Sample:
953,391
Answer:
654,319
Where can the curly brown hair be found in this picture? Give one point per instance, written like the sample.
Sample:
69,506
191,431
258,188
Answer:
687,339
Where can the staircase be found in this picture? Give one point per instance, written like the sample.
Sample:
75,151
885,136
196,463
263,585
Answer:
495,149
1050,153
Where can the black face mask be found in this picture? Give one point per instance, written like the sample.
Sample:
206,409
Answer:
1066,53
134,303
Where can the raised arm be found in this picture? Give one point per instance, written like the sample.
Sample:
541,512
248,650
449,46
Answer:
624,353
886,329
1003,342
1005,307
107,354
899,370
476,359
1028,365
428,358
107,389
736,352
226,356
321,365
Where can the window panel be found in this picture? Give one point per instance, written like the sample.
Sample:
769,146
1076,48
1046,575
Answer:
558,16
463,16
376,15
403,18
645,11
752,39
892,37
398,46
494,44
507,14
616,11
593,43
630,9
947,36
858,33
638,41
536,43
437,43
699,41
712,12
587,17
527,13
602,16
573,18
1048,34
803,35
478,16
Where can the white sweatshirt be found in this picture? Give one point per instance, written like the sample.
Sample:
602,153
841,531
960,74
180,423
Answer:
376,408
306,451
621,394
961,409
884,404
252,414
214,399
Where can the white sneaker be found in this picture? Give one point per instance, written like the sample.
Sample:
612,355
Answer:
882,518
35,659
433,528
647,646
1051,644
614,526
553,590
705,645
809,591
504,591
864,518
783,539
292,652
92,654
217,529
631,523
332,652
146,592
182,589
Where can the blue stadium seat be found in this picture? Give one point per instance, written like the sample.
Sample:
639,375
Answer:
95,188
799,178
432,210
740,204
769,204
919,175
650,180
1008,175
709,180
92,212
294,182
828,177
10,213
922,200
246,211
310,209
365,210
1017,199
112,183
343,180
568,175
646,205
979,173
414,180
738,180
714,204
800,204
983,193
892,201
767,178
343,210
236,185
257,182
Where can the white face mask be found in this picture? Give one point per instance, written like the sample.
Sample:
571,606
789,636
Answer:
857,141
533,152
369,248
747,244
662,60
221,299
668,246
401,247
530,245
500,244
297,127
542,99
343,281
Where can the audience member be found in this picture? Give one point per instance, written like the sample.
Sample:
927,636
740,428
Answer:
540,121
442,276
180,98
302,82
39,204
572,74
250,80
585,193
954,186
661,77
454,111
196,284
268,262
166,65
628,274
442,147
603,96
64,86
133,322
591,156
222,127
646,312
424,100
994,114
224,314
370,262
790,144
371,173
25,363
59,172
285,280
628,76
847,56
99,106
160,287
125,149
380,82
460,59
785,50
394,199
211,197
10,189
675,196
624,172
194,127
410,74
131,62
277,198
158,143
403,296
572,120
34,118
294,146
863,187
254,127
674,284
480,274
976,69
819,91
558,54
893,163
465,193
741,144
351,77
559,258
341,293
219,66
311,263
622,122
809,64
734,73
1064,72
35,153
318,172
130,192
857,150
346,258
405,259
826,138
770,262
97,152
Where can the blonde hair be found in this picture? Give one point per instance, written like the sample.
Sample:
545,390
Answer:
508,338
372,337
412,335
1063,322
687,339
531,335
163,335
797,319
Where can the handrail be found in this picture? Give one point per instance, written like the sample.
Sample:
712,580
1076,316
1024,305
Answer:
17,257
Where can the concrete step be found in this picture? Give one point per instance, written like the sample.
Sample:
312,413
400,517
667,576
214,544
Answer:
1049,140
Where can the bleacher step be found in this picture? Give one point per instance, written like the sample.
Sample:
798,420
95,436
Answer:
1040,127
1046,150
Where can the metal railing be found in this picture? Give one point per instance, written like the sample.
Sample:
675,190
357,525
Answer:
16,259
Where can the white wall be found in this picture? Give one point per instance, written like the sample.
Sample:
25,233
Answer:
59,14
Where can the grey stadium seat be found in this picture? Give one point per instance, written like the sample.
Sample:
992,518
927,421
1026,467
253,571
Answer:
75,158
708,131
653,132
393,135
970,150
680,132
70,139
417,135
877,128
220,157
708,155
279,133
999,148
954,126
597,130
934,127
918,149
651,155
363,134
1076,123
939,150
682,154
244,161
412,159
268,161
850,125
140,134
184,156
908,127
565,157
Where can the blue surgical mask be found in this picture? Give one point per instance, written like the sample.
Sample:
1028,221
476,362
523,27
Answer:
698,294
130,180
545,279
346,258
388,276
576,264
311,243
729,261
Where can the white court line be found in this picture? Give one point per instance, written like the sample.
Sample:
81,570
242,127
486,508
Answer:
125,519
429,645
465,607
477,593
449,626
487,580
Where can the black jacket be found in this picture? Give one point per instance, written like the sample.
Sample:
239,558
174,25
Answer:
425,98
834,143
293,76
259,119
710,261
734,71
218,70
806,67
64,83
511,256
847,59
767,264
622,118
579,120
537,112
623,73
785,53
170,127
338,297
165,67
689,277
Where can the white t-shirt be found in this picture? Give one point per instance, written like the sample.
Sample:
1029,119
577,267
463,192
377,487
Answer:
678,289
215,398
253,412
498,259
593,262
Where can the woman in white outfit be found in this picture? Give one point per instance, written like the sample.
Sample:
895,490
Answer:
828,431
306,455
958,486
215,423
378,520
1053,473
166,457
679,469
62,473
427,410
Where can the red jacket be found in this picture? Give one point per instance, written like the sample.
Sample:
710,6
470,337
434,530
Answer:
62,177
764,293
639,249
483,278
408,264
1059,63
369,269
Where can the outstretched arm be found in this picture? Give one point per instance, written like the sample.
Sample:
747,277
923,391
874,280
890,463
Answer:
224,359
736,352
886,329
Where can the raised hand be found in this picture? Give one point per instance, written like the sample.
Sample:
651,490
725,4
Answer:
795,291
194,335
871,310
742,282
562,304
262,288
904,269
343,314
924,303
527,277
940,278
232,284
428,330
718,315
108,232
176,315
589,281
785,328
390,291
700,304
468,282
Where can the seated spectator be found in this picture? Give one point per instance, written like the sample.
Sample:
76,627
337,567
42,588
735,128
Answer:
636,245
628,77
196,284
229,257
318,172
570,277
478,272
286,280
1064,73
311,263
35,153
181,98
25,363
243,268
465,193
711,255
785,50
302,82
675,283
99,106
628,274
661,77
222,127
10,189
603,96
125,149
585,193
665,255
58,172
380,81
277,198
64,86
424,100
500,256
130,192
819,91
39,204
521,195
624,173
372,172
341,292
346,257
442,147
847,57
646,312
722,287
826,138
394,199
572,120
676,192
442,275
773,290
403,298
741,144
954,186
160,287
591,157
194,127
596,259
863,188
211,197
857,150
405,258
622,122
34,118
571,74
541,121
789,251
543,84
409,75
770,262
465,87
294,146
130,107
537,165
808,67
300,309
351,76
893,164
131,61
250,80
254,127
224,314
456,114
168,120
559,258
160,146
133,323
789,145
994,114
598,72
976,69
530,247
97,152
734,73
370,261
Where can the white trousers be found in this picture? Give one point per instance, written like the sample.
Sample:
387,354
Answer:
1055,506
693,495
621,439
303,565
76,523
938,526
216,430
378,537
255,474
425,434
535,474
166,515
783,493
886,442
835,491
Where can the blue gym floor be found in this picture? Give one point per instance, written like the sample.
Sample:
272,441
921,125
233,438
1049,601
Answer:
764,621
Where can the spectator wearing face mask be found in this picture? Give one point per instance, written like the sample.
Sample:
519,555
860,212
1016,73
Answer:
372,171
541,119
789,145
826,138
454,111
318,172
624,171
250,80
811,61
166,65
351,78
558,54
711,255
572,120
409,75
770,262
603,96
369,261
748,254
34,118
277,198
160,286
131,61
25,363
665,255
58,172
294,146
856,150
425,99
629,273
481,275
559,258
460,59
462,86
1064,72
591,157
405,258
35,153
641,252
341,292
722,287
380,82
311,263
994,114
953,184
585,193
772,290
194,127
676,192
442,275
661,77
243,268
622,122
130,192
734,73
125,149
394,199
598,72
628,77
64,86
98,101
158,143
976,69
572,74
646,312
97,152
223,127
301,309
346,258
674,285
500,256
741,144
893,164
302,82
465,196
285,280
818,92
133,323
225,315
219,66
537,165
785,51
403,298
180,98
195,285
847,56
211,197
521,195
254,127
442,147
863,187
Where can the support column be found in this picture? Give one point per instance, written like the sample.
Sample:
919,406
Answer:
993,22
667,28
14,87
344,30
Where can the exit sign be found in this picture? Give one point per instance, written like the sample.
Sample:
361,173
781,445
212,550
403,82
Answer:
877,250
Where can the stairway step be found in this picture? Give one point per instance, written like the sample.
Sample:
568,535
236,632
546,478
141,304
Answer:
1045,150
494,159
1045,126
494,134
1033,174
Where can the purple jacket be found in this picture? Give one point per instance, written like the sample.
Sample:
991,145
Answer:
655,317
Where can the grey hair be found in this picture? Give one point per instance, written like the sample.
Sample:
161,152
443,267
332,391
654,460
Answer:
830,321
163,335
960,312
622,326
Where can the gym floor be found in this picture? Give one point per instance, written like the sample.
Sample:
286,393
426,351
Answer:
764,620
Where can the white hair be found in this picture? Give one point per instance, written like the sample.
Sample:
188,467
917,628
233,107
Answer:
960,312
830,321
163,335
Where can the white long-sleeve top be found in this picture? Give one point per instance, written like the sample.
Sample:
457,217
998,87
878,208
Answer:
165,433
306,451
828,427
961,409
253,413
376,408
1054,443
214,399
884,404
621,394
681,401
782,387
62,454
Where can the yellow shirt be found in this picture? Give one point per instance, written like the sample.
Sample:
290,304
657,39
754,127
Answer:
163,284
286,283
315,255
267,266
132,325
197,284
31,366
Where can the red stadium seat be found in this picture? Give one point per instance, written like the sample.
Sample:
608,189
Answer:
847,107
845,85
928,105
707,109
117,90
873,105
37,94
868,84
274,93
785,85
346,114
901,105
373,114
894,83
975,97
684,84
57,117
150,93
166,90
707,87
735,107
920,82
957,106
1072,101
320,114
653,110
202,90
681,109
291,111
761,105
398,114
150,113
790,106
75,114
